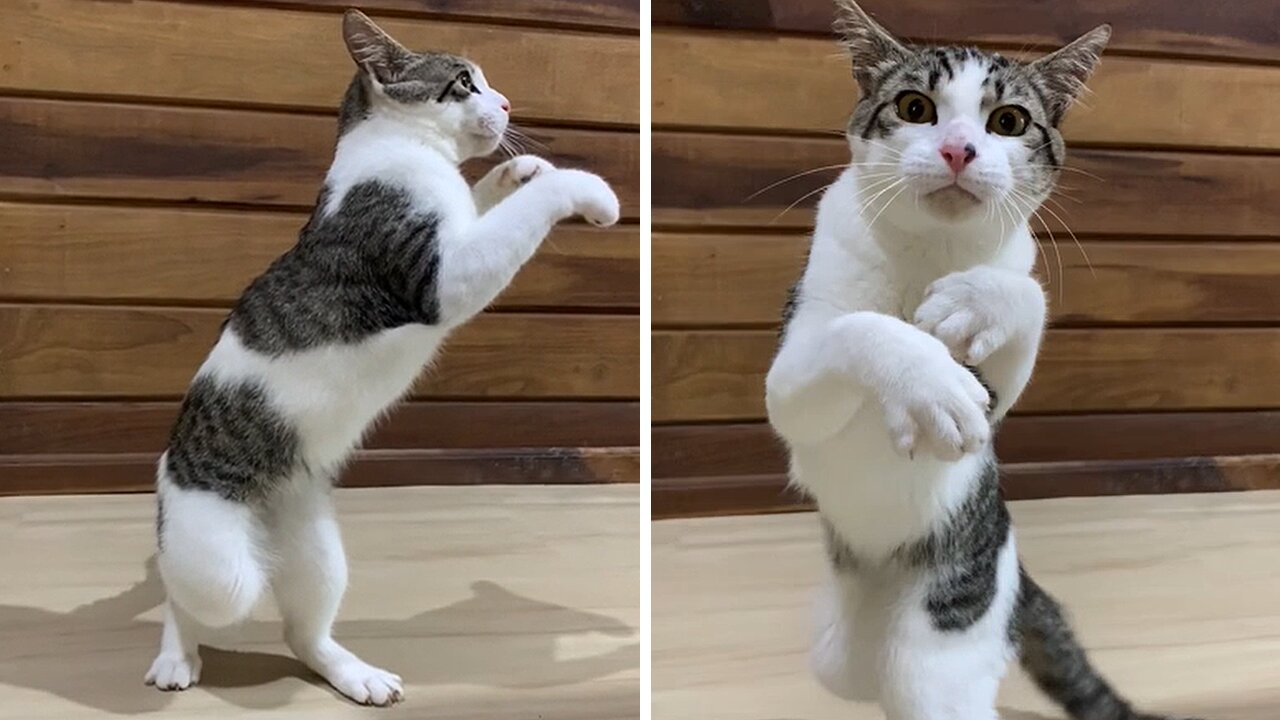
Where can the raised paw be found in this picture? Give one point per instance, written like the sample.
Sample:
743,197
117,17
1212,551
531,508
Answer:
943,410
520,170
174,672
591,197
978,311
366,684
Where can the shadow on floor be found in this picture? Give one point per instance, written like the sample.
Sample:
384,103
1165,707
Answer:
96,654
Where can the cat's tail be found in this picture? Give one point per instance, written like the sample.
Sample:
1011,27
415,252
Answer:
1053,657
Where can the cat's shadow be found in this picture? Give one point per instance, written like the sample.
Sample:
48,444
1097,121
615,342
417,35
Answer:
95,655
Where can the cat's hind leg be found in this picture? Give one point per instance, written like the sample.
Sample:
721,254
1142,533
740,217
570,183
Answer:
309,581
845,643
948,646
211,562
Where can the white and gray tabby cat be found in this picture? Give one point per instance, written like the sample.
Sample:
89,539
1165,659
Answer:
911,333
398,252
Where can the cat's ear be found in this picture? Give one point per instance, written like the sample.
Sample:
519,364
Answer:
871,48
373,50
1065,71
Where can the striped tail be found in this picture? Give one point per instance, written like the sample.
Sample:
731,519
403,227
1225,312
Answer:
1052,656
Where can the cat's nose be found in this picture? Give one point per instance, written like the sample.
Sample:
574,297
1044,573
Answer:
958,156
506,106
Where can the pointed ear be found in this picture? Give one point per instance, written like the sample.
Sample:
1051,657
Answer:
372,49
1065,71
871,48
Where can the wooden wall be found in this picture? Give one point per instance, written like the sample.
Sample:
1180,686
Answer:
156,155
1160,372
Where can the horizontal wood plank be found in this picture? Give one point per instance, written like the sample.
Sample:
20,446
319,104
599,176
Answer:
69,149
80,352
734,280
789,83
702,179
1242,29
371,468
753,449
719,375
233,54
739,495
609,14
100,253
77,428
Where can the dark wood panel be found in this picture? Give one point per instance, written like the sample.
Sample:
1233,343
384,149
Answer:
727,280
753,448
123,254
708,180
24,475
789,83
78,351
60,428
719,375
739,495
1246,29
67,148
230,54
610,14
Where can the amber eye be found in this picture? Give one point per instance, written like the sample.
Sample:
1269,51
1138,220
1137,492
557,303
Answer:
1009,120
915,107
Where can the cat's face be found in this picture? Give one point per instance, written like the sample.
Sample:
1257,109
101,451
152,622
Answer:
958,133
436,92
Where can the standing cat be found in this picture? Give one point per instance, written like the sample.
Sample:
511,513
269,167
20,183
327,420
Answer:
911,333
398,252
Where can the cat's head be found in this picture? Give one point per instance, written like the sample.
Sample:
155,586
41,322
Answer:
439,95
964,134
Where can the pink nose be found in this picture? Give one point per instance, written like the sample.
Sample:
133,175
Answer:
506,106
958,156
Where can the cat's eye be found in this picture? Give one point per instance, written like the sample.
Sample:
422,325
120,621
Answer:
464,81
1010,121
916,107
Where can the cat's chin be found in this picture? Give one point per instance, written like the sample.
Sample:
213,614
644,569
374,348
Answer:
951,203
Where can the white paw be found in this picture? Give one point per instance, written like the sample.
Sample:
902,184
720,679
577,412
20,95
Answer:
520,170
174,672
366,684
939,405
592,198
976,312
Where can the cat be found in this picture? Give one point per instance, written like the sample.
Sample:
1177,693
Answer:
910,334
398,252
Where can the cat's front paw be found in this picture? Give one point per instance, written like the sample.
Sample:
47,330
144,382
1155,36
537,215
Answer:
520,170
978,311
939,405
591,197
174,671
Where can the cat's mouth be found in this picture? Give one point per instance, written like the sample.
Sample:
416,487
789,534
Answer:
952,201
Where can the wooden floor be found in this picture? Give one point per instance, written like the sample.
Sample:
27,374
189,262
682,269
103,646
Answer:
492,603
1178,597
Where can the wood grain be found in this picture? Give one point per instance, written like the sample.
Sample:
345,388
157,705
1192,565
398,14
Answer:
1135,101
84,473
742,280
1244,29
753,494
232,54
719,375
99,428
605,14
78,352
71,148
740,449
99,253
708,180
467,592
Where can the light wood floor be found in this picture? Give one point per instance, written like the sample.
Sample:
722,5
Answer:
1178,597
493,603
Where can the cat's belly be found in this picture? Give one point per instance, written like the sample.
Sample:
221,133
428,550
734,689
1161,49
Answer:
875,498
332,394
